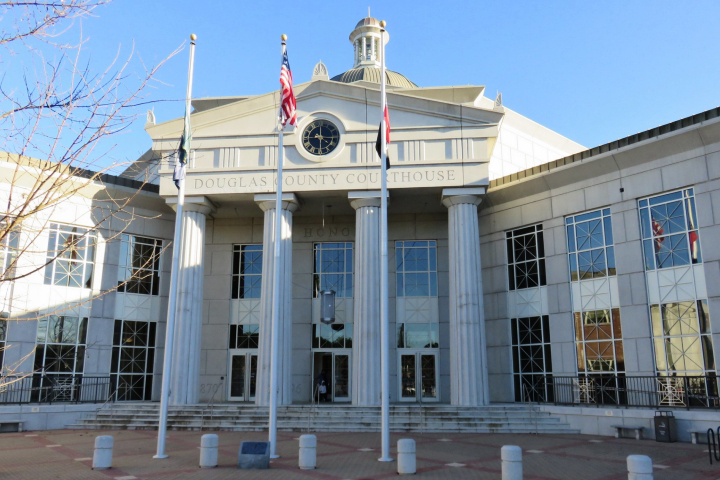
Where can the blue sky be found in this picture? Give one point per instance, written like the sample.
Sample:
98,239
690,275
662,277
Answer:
592,71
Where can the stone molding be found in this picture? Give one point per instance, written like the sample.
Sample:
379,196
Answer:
200,204
458,196
268,201
366,198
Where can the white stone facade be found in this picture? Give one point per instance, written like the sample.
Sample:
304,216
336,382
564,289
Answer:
455,306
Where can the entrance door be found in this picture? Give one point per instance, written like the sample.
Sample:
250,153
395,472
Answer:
334,368
243,374
418,376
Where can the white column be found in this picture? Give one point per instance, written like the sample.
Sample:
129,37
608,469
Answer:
267,203
373,53
468,360
366,298
185,375
355,58
364,49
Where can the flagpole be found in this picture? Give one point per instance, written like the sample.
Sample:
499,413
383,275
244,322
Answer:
276,286
172,301
384,339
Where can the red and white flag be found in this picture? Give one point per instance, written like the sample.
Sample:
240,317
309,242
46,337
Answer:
288,113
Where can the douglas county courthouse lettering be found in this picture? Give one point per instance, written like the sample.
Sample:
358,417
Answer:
584,268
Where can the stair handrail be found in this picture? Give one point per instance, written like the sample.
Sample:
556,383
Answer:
210,405
312,412
526,394
97,410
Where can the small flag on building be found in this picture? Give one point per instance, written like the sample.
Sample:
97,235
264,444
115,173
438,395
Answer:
288,113
183,152
378,142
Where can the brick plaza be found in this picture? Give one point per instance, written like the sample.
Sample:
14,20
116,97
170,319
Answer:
66,454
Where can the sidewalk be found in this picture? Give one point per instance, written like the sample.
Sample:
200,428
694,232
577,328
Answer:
66,454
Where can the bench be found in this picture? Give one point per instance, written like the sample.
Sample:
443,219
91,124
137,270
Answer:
695,436
619,428
11,426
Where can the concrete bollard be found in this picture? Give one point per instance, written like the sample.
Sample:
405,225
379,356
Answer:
208,450
511,462
102,458
639,467
407,463
307,459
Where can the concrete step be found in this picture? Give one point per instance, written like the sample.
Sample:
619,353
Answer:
329,418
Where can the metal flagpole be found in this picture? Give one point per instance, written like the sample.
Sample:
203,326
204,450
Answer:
276,283
384,340
172,301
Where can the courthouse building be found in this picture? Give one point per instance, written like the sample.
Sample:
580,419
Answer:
516,254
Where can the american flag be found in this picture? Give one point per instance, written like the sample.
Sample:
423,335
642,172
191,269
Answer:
288,114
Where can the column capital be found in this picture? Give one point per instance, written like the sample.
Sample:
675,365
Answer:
268,201
456,196
365,198
198,203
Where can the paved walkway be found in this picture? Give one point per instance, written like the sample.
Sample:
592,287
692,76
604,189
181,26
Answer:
66,454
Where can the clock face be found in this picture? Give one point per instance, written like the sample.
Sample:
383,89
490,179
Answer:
320,137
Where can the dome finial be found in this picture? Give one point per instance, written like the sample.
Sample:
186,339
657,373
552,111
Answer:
366,42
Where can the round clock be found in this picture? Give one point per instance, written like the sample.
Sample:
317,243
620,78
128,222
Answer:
320,137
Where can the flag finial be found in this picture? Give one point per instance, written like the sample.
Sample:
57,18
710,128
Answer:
193,37
283,37
383,23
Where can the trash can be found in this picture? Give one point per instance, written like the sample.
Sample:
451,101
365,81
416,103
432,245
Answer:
665,428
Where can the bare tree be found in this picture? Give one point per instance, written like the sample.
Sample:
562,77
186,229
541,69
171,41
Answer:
59,119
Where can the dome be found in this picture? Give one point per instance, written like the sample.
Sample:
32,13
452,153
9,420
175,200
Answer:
372,74
368,21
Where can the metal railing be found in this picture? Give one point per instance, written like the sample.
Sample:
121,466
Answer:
50,388
211,405
629,391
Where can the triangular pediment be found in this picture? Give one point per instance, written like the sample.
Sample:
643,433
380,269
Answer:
356,106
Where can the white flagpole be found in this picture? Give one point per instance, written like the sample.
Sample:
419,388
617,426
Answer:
276,284
172,301
384,339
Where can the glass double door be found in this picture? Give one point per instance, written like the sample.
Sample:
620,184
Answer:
418,372
243,374
332,369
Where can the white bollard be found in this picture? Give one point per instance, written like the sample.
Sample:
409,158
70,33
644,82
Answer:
307,459
208,450
511,462
639,467
102,458
407,464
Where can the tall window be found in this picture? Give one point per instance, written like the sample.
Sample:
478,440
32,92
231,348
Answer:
333,269
416,267
337,335
244,336
683,338
591,255
60,355
3,336
598,338
8,252
139,270
133,356
418,335
532,361
70,253
247,271
669,230
526,257
590,245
